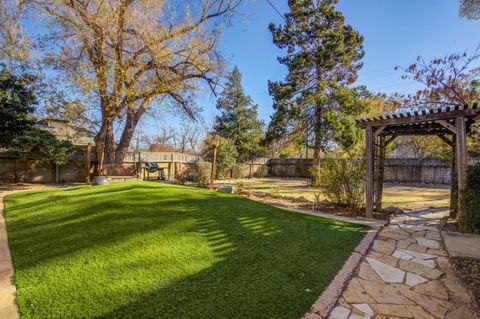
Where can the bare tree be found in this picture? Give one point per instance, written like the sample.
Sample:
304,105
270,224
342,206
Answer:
470,9
448,81
164,136
14,42
187,138
130,53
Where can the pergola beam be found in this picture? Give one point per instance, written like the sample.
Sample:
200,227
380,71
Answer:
390,140
472,112
446,140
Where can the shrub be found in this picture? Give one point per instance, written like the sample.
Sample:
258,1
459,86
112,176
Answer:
472,198
342,180
239,187
198,174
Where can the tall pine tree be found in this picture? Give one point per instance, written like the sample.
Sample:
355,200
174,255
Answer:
238,120
323,57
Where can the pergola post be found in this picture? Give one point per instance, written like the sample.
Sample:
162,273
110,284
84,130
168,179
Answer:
461,161
453,180
370,173
380,173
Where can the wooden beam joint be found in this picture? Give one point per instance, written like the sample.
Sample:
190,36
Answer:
378,131
447,125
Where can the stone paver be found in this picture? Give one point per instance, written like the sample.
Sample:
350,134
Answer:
406,274
462,245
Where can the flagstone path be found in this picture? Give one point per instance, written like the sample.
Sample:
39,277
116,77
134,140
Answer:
406,274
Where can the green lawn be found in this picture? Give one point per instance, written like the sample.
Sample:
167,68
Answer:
146,250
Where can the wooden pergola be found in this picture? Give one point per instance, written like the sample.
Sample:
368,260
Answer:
451,124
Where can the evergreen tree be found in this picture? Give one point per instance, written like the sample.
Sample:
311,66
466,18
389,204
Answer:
238,120
16,105
323,56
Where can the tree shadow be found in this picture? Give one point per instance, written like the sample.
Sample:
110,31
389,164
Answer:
267,263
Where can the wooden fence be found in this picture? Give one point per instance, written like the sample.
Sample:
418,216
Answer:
429,171
405,170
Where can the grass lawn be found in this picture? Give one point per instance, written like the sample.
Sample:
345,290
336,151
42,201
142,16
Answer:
147,250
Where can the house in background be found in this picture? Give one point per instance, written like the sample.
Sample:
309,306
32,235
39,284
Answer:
14,169
64,130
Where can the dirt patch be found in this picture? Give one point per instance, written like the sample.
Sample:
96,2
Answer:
304,204
469,270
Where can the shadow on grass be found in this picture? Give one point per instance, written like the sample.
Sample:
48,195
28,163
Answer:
268,263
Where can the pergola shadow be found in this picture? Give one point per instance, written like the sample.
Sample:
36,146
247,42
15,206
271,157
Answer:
451,124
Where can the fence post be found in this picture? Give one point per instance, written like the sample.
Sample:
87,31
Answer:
88,163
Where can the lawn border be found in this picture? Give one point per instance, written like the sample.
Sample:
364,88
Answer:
8,304
329,297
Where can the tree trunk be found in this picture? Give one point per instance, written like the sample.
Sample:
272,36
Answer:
318,135
109,145
104,145
133,117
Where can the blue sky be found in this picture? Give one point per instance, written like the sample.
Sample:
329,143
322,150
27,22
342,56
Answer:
395,33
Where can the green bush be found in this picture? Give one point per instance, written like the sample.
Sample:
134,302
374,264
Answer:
472,198
342,180
199,175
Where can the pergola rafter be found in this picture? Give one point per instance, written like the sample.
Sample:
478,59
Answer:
440,121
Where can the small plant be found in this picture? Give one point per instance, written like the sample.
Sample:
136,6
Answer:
274,192
239,187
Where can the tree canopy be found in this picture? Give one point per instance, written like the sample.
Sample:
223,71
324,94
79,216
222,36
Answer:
323,57
116,59
17,101
41,146
238,121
